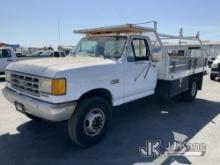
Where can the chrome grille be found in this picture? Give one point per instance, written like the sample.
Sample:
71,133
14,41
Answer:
24,83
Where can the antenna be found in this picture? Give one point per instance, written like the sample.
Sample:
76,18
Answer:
197,35
58,28
181,32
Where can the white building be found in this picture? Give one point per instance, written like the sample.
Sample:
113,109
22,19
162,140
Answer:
212,48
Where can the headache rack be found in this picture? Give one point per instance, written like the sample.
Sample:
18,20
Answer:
117,30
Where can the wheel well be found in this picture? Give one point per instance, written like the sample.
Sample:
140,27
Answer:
103,93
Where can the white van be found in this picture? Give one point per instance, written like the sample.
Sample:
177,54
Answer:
7,56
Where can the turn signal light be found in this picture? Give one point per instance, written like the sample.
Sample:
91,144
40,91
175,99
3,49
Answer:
58,87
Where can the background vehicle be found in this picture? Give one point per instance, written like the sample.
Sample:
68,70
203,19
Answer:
111,66
210,61
48,53
19,54
37,53
53,54
43,54
7,56
215,69
59,54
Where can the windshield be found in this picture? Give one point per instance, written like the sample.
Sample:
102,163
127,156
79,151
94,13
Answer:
107,47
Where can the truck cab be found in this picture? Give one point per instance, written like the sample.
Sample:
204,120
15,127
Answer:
135,74
7,56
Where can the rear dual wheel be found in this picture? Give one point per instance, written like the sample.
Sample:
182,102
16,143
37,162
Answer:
191,93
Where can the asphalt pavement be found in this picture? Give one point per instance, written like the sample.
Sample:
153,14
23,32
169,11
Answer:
23,141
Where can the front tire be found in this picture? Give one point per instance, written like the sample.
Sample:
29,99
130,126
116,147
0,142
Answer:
90,122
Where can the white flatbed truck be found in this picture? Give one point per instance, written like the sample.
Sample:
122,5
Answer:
111,66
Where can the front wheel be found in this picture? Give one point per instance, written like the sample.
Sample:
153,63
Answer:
90,122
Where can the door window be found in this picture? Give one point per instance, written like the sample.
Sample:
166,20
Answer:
138,51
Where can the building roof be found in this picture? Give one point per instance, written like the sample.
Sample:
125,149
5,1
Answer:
211,43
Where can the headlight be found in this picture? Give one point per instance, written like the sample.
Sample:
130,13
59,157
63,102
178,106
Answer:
7,75
53,86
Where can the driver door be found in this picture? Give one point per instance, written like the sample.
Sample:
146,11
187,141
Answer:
140,72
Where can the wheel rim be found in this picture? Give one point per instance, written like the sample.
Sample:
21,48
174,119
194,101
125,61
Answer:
94,122
194,88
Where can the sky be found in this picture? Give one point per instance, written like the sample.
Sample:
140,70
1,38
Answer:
35,22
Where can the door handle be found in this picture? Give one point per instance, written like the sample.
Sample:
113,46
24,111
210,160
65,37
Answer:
9,60
116,81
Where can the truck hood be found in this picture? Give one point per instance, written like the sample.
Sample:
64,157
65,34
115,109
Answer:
50,66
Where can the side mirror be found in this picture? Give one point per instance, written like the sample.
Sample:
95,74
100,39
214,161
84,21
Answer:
156,55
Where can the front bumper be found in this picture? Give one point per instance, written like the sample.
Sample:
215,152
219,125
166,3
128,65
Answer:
41,109
215,73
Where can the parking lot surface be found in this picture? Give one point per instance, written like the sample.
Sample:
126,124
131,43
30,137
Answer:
23,141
